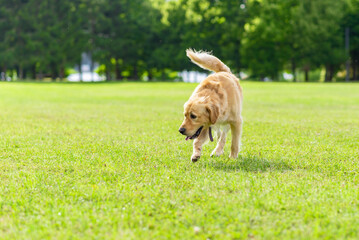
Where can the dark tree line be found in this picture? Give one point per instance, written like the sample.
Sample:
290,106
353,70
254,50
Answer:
136,38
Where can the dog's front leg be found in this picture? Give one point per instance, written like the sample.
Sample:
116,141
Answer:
218,151
197,145
236,129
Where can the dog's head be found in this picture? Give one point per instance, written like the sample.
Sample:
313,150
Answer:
198,115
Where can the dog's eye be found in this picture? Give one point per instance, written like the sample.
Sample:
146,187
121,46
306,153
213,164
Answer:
193,116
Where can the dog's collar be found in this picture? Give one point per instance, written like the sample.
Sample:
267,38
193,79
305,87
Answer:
199,131
210,134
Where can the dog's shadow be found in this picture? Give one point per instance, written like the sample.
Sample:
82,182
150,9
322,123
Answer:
246,163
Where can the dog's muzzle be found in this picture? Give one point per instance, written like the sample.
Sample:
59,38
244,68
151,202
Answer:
198,132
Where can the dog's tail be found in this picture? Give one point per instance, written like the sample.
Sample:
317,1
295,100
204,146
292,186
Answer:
207,61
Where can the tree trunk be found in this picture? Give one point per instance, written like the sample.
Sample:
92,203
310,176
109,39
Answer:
53,71
354,71
331,73
328,73
238,56
21,73
41,75
62,72
326,78
163,75
150,75
107,72
3,75
33,71
80,69
17,72
118,71
92,67
293,70
306,73
135,72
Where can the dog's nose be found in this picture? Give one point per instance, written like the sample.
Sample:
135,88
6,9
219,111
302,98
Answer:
182,130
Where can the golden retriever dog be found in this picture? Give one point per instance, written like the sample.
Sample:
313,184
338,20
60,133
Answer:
215,103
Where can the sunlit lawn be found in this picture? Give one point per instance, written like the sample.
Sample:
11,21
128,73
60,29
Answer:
106,161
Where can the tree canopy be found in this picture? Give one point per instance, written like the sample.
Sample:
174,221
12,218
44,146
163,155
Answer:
136,38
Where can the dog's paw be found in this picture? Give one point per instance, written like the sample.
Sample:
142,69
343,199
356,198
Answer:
233,155
216,154
195,158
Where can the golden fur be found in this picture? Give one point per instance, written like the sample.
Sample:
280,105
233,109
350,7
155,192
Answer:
216,102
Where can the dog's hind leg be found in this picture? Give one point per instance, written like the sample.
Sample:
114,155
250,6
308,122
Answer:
198,143
221,134
236,128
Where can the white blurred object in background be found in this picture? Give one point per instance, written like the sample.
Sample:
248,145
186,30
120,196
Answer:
87,68
86,77
192,76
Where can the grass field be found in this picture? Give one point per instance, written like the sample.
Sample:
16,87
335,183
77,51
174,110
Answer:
106,161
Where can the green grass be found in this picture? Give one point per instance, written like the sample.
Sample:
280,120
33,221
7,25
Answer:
106,161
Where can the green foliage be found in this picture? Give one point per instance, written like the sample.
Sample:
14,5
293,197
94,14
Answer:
351,20
105,161
41,35
146,37
303,33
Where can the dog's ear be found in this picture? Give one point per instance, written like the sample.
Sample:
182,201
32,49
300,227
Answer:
213,112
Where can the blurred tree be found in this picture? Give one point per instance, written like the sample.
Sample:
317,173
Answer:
305,33
137,37
232,19
177,26
351,20
126,32
319,23
265,38
197,24
17,29
60,29
5,27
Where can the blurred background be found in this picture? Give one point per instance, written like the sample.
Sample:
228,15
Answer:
145,40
